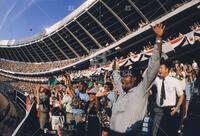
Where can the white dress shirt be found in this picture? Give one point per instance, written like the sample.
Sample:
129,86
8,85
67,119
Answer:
172,88
182,81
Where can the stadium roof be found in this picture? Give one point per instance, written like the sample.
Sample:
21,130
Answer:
93,26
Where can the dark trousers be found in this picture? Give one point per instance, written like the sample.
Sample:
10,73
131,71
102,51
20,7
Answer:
135,130
80,124
113,133
93,126
163,123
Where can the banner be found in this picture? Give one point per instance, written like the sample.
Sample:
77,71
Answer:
135,57
128,63
144,58
176,42
107,67
166,47
148,52
190,37
197,30
122,62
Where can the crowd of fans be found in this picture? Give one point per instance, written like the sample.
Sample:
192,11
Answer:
87,111
85,107
19,85
103,106
33,67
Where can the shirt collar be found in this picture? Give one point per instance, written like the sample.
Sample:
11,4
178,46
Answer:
165,77
129,91
168,76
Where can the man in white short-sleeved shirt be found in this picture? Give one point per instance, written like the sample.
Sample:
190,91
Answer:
165,117
172,88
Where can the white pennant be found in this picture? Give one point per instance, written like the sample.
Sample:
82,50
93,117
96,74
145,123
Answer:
167,48
176,42
122,62
190,37
136,57
148,52
144,58
128,63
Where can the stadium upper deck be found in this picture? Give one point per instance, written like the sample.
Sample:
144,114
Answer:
93,26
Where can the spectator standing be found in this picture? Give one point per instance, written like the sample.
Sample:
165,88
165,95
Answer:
67,103
195,66
189,88
126,118
43,105
78,108
105,101
56,121
165,112
92,121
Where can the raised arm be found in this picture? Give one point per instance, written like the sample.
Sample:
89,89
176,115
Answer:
105,76
154,61
69,89
37,98
37,95
117,78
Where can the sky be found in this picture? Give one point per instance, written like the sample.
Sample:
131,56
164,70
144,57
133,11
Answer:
21,19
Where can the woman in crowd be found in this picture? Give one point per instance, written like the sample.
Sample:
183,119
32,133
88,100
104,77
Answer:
67,105
105,99
92,121
43,105
190,78
56,114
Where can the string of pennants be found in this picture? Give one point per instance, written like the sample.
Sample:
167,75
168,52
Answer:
168,46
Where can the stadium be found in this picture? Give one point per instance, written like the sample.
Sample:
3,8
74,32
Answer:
84,44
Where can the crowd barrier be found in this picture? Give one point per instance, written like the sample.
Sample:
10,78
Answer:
29,122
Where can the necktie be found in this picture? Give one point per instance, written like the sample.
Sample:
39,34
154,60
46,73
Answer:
162,97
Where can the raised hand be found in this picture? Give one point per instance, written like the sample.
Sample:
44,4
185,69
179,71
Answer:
66,75
159,30
67,78
114,66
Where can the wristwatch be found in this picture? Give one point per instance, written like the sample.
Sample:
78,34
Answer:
158,40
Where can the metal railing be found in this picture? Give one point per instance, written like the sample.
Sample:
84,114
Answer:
19,98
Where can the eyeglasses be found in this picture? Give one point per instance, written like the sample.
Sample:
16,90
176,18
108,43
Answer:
91,94
126,74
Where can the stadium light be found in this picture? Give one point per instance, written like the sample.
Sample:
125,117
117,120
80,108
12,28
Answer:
198,6
117,48
107,44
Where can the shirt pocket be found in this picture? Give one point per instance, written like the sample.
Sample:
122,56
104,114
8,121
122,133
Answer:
121,105
171,91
